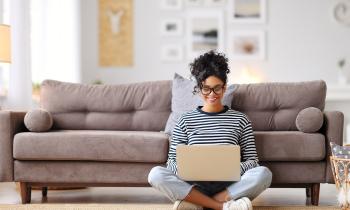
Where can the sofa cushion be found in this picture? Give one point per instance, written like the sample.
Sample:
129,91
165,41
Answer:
121,146
290,146
274,106
114,173
309,120
107,107
38,120
297,172
184,101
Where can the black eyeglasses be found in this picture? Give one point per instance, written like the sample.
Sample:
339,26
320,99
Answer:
217,90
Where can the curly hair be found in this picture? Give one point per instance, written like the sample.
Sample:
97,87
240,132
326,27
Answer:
209,64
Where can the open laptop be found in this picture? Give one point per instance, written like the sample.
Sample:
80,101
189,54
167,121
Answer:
208,162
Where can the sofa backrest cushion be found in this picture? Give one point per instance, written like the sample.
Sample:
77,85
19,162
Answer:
140,106
275,106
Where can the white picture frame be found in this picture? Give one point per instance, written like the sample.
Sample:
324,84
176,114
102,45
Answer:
194,3
172,53
171,4
247,11
215,3
171,27
205,32
247,45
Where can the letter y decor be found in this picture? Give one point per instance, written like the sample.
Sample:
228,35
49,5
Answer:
115,33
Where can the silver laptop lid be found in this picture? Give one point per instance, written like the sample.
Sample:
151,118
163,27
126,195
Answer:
208,162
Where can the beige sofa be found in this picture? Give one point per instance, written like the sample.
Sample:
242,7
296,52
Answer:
110,135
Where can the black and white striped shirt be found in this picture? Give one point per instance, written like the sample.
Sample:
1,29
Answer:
225,127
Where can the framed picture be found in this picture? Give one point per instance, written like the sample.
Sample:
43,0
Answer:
116,33
215,3
246,45
172,52
171,4
194,3
171,27
204,32
247,11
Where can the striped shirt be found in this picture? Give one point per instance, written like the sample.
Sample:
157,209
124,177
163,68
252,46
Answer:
223,128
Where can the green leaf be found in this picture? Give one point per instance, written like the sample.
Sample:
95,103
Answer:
341,63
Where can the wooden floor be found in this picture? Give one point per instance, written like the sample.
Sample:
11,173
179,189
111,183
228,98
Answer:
9,194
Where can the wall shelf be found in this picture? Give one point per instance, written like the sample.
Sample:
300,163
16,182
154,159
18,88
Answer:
338,93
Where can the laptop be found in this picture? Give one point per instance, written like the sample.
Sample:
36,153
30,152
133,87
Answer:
208,162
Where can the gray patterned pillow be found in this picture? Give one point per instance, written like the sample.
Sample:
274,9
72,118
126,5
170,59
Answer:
340,151
184,101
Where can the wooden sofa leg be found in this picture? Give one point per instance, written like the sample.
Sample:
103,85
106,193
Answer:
25,192
44,191
308,192
315,193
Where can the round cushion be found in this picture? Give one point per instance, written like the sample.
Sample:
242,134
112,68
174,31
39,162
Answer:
309,120
38,120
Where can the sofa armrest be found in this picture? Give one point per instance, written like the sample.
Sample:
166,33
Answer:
333,130
11,122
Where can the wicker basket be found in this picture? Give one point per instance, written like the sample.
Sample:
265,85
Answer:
340,169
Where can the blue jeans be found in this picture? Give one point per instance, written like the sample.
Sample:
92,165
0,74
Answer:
252,183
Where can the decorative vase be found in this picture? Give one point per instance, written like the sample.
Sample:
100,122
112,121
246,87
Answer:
342,78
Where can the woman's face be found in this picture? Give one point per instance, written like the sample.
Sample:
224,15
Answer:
212,91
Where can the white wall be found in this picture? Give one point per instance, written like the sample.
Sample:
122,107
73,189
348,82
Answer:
303,43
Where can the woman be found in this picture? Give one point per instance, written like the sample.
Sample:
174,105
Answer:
212,123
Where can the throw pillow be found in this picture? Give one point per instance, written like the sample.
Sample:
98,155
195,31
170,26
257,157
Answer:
184,101
309,120
38,120
340,151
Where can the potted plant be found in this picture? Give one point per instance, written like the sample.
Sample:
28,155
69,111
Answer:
342,76
36,91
